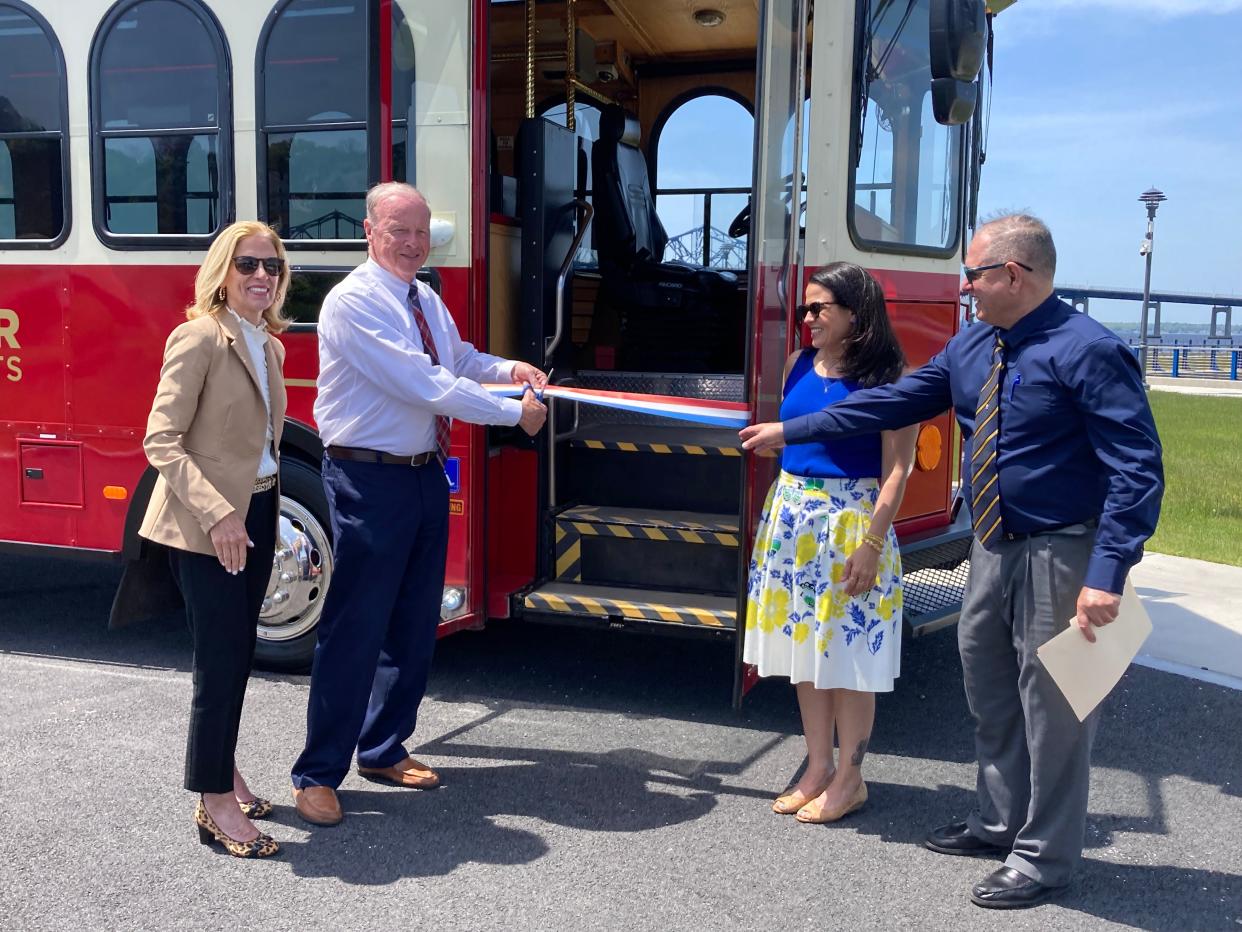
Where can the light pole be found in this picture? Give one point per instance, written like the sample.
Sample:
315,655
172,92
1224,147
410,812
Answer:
1152,198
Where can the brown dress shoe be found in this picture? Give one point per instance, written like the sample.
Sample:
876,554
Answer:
318,805
408,772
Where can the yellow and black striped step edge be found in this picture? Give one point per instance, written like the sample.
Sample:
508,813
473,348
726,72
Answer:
626,446
564,603
638,518
574,523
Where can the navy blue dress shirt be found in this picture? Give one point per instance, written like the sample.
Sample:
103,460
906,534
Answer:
1077,440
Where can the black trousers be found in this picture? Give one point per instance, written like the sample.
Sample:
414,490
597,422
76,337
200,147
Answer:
223,610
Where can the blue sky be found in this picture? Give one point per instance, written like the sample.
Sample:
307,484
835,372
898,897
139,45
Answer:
1094,102
1097,100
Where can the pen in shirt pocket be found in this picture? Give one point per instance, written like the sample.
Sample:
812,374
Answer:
1017,380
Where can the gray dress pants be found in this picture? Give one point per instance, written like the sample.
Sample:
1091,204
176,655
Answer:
1034,754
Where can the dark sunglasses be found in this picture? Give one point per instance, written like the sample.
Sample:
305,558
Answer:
248,265
815,307
971,275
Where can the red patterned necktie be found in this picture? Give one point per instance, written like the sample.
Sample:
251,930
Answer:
429,347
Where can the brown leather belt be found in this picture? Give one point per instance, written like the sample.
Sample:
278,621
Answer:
362,455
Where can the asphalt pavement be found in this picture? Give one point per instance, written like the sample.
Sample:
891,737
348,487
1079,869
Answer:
592,780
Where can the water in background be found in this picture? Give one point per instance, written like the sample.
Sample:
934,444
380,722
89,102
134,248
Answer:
1174,337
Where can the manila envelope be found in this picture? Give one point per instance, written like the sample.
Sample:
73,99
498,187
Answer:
1087,672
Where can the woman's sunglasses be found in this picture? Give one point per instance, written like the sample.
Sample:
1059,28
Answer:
248,265
815,308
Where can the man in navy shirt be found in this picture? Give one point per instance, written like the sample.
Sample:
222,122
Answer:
1063,475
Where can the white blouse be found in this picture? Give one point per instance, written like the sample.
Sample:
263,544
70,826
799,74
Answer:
256,343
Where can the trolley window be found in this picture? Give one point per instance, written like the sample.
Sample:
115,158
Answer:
317,152
34,144
700,189
907,177
161,144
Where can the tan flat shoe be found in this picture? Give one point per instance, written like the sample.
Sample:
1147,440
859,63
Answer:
318,805
408,772
790,803
813,814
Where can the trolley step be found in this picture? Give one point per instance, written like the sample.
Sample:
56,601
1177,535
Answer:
678,550
624,607
664,441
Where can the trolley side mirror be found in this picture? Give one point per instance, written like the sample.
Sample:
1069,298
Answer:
953,102
957,42
958,38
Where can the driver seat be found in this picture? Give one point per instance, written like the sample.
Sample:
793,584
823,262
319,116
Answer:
656,300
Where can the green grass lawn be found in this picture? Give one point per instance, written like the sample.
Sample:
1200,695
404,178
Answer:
1202,512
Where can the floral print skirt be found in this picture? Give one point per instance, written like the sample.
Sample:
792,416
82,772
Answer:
799,621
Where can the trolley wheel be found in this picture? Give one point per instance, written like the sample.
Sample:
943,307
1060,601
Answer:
301,572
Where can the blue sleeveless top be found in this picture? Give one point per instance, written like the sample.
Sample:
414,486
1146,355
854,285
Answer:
856,457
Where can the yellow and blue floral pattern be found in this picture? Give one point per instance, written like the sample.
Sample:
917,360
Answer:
799,621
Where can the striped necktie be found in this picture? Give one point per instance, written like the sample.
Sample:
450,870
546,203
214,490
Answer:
985,507
429,347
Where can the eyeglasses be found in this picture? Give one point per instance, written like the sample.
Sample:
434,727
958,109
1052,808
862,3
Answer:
973,274
248,265
815,308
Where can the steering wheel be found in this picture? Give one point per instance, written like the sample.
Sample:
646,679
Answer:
740,225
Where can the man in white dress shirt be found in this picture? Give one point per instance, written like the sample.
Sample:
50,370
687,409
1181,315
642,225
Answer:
393,372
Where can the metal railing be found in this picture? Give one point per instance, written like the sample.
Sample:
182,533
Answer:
1193,362
706,246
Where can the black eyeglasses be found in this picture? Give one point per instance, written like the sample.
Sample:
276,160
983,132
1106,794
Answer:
248,265
972,275
815,308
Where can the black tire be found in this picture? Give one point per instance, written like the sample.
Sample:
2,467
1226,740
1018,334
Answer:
301,572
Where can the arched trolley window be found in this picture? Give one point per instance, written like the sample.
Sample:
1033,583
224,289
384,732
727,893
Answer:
34,138
701,188
161,120
318,113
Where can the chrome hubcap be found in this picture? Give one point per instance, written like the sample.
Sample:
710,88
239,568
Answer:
301,571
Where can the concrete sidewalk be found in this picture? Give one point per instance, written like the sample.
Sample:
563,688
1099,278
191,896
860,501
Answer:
1190,386
1196,616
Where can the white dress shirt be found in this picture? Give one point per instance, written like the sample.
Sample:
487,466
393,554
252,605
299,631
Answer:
377,388
256,343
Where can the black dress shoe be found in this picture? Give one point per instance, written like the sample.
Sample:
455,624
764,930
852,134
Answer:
1007,888
955,838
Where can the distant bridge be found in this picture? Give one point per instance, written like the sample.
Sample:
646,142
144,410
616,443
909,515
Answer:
1086,292
1222,305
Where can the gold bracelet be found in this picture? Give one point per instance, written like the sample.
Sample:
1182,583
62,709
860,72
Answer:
874,541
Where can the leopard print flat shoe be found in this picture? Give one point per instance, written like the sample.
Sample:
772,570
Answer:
256,808
262,847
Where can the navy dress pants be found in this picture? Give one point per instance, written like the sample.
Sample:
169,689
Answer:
222,611
378,628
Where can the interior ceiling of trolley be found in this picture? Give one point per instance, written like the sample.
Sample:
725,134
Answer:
639,31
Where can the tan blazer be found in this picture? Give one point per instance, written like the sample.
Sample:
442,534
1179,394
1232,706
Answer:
206,430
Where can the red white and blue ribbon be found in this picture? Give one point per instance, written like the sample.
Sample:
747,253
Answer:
699,410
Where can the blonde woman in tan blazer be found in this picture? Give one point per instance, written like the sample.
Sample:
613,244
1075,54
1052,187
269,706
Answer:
213,435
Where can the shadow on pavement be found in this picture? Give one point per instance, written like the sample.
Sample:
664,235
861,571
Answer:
1156,725
59,608
1138,896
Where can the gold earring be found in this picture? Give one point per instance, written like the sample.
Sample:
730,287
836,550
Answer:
221,294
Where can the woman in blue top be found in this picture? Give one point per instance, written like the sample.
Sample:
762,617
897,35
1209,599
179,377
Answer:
824,595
